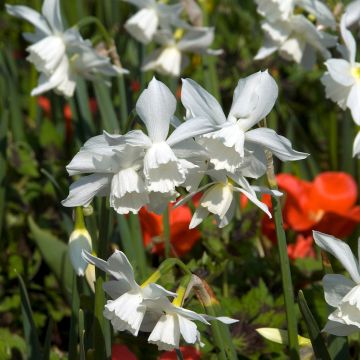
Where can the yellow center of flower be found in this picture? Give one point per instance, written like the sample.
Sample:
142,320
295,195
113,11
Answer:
178,34
355,72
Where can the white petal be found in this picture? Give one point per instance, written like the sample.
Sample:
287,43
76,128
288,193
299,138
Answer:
162,169
335,91
31,16
352,13
199,215
200,103
51,11
190,128
47,54
196,40
336,287
82,191
293,49
340,71
276,32
348,40
278,145
155,106
339,329
128,191
188,330
79,240
154,291
268,48
126,312
353,102
142,26
166,333
217,199
254,97
323,14
120,267
159,201
341,251
116,288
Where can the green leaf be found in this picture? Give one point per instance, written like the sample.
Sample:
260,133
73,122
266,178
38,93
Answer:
55,254
317,341
31,336
47,342
11,345
22,159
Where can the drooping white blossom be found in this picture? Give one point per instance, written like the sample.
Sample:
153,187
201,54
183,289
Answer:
127,310
177,322
341,292
152,16
293,34
59,54
230,141
171,57
342,79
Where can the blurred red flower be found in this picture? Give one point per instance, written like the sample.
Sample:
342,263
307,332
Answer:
326,204
182,239
188,352
121,352
303,247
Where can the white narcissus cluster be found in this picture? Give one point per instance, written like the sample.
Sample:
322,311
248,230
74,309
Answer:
138,169
162,23
341,292
288,30
342,79
146,308
60,55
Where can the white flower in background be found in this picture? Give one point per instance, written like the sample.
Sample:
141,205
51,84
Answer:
293,35
342,80
127,309
116,170
170,59
151,16
177,322
232,140
59,55
341,292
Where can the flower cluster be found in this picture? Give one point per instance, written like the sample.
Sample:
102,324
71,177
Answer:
147,308
60,55
295,28
162,23
138,169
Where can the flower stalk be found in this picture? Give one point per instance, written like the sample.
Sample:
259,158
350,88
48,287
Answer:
284,260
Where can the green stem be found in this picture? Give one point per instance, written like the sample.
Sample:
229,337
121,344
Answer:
179,354
166,226
284,263
93,20
123,103
73,353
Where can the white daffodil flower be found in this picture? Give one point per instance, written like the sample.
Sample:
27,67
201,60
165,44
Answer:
127,309
115,171
232,140
59,55
341,292
177,322
293,35
218,198
151,16
342,80
156,106
170,59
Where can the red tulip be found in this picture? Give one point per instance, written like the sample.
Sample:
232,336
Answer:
303,247
326,204
181,238
188,353
121,352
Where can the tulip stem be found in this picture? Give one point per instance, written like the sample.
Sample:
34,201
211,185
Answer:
166,226
284,262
